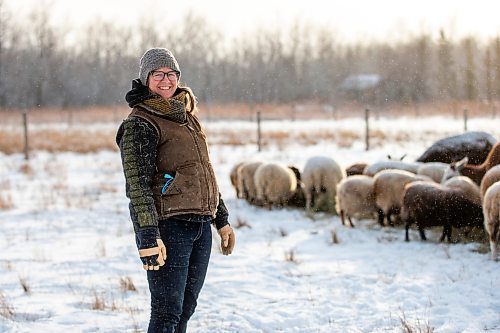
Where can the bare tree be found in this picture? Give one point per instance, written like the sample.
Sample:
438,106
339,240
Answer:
447,80
471,87
488,68
44,42
3,27
497,68
269,65
421,69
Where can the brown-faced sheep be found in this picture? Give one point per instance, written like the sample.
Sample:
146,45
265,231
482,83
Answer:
320,177
475,172
492,176
355,169
429,204
491,210
474,145
275,184
355,198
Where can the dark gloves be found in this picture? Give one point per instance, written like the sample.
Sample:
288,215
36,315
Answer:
138,94
222,214
152,251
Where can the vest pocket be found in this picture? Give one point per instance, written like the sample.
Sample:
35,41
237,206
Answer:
184,193
172,189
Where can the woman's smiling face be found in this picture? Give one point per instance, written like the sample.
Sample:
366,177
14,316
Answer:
163,81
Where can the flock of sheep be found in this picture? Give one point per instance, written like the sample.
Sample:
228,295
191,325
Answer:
454,184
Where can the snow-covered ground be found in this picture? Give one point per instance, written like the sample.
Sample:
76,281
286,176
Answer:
67,251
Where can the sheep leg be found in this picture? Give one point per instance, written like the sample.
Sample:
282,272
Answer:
245,193
350,221
392,215
389,221
422,233
446,233
443,235
380,214
494,236
407,227
493,248
396,213
342,217
308,195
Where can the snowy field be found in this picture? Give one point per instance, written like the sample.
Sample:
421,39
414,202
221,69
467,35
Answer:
68,260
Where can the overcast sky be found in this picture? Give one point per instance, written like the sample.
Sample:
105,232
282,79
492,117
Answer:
351,19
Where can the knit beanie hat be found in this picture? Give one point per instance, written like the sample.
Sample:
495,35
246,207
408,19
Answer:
156,58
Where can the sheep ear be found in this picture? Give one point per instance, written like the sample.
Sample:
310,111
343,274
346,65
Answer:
296,171
460,164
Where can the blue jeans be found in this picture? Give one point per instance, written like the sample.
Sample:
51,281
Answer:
176,285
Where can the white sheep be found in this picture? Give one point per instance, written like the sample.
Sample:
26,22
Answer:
491,176
372,169
320,176
246,184
434,170
275,184
388,189
355,198
233,176
467,186
491,212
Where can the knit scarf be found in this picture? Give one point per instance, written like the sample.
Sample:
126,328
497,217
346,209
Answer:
174,108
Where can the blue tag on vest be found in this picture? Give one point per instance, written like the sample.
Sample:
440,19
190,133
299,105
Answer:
167,183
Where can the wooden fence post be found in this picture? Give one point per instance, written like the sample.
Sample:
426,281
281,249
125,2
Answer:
25,126
258,132
367,131
465,119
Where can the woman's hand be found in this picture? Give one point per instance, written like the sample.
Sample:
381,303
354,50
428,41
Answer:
154,257
228,239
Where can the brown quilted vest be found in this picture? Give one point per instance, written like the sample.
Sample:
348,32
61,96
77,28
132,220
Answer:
182,153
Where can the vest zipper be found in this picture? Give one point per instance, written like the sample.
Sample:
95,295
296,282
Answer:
192,131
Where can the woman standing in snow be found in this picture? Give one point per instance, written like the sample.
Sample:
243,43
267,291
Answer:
173,192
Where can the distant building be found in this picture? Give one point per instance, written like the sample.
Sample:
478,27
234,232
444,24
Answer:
361,87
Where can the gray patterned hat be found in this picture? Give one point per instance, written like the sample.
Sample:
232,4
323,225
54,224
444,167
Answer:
156,58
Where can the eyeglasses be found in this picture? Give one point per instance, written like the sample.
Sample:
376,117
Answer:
159,75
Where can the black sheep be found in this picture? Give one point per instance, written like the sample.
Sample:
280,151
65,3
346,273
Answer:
429,205
474,145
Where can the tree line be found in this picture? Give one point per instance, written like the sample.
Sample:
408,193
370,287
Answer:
45,65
